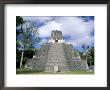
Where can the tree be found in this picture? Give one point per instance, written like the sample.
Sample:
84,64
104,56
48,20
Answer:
23,46
19,21
28,37
85,49
88,53
90,56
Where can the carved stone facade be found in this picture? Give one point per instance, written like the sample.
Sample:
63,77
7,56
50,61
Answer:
56,36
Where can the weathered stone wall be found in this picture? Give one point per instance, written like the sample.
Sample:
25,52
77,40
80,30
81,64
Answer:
38,61
76,64
56,35
68,51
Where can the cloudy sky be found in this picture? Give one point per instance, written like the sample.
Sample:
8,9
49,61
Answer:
76,30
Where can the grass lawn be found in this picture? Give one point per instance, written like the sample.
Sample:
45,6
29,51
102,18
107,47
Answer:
27,71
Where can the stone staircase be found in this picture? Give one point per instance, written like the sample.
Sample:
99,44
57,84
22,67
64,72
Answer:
56,57
56,54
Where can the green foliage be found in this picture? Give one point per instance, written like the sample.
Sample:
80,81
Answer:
90,56
87,53
18,57
82,56
26,37
28,54
19,20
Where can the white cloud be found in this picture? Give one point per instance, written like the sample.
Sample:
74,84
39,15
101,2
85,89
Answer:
88,40
45,31
75,27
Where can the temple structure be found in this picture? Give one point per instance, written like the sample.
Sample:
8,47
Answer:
56,56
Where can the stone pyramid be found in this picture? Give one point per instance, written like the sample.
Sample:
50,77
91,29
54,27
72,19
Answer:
56,56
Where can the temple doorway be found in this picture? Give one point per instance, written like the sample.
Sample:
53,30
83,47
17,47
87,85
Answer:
56,40
56,68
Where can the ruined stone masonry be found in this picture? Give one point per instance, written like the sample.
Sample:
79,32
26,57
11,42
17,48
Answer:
56,56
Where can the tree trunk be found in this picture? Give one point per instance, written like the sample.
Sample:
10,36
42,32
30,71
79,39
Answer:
90,63
87,63
21,59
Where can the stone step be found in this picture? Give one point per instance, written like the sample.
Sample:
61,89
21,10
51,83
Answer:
56,55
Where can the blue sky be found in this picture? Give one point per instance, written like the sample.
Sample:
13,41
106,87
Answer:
76,29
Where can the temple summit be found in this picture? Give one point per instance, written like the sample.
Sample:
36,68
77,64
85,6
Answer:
56,56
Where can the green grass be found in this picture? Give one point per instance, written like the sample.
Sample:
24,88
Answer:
27,71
